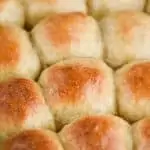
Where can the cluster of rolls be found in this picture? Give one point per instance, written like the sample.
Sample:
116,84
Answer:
74,75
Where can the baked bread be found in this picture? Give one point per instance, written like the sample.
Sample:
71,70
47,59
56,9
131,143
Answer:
22,106
141,134
38,9
12,12
100,8
36,139
126,37
67,35
97,133
133,90
17,56
77,87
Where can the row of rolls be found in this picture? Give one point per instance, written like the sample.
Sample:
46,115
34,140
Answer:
103,132
118,39
74,75
77,104
29,12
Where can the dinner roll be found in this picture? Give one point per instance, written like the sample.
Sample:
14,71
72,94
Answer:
126,37
22,106
97,133
67,35
100,8
36,139
38,9
17,57
141,134
133,90
11,11
77,87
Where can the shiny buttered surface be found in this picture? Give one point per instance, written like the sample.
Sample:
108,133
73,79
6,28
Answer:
74,74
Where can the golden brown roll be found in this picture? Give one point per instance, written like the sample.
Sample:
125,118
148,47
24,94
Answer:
78,87
38,9
97,133
141,134
22,106
133,90
126,37
100,8
17,57
36,139
67,35
11,11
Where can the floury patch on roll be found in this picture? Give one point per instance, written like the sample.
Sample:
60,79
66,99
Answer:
17,56
22,106
38,9
67,35
37,139
12,12
78,87
97,133
133,90
126,37
100,8
141,134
